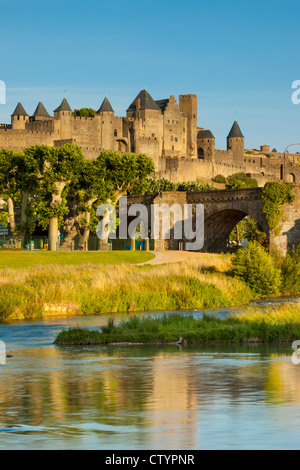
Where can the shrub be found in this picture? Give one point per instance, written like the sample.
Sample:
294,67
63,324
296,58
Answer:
219,179
240,180
256,268
291,272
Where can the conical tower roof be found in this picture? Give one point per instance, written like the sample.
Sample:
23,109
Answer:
146,101
64,106
41,110
19,111
235,131
105,106
205,134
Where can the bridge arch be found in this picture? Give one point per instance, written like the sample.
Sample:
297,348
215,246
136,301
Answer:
218,227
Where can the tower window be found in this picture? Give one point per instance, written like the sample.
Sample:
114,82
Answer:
115,133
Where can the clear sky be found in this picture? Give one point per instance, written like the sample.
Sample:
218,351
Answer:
239,57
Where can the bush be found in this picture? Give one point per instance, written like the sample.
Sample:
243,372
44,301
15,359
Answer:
219,179
240,180
256,268
291,272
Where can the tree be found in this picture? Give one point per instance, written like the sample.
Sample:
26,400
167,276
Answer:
102,180
9,190
61,166
84,112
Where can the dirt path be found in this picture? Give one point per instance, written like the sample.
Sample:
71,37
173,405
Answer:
162,257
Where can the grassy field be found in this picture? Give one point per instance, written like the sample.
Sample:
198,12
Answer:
48,290
274,325
23,259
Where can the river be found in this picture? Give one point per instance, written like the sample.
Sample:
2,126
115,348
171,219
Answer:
144,397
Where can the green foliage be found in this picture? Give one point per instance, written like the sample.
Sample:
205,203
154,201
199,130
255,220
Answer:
84,112
59,167
274,195
240,180
155,185
256,268
291,272
270,326
248,228
219,179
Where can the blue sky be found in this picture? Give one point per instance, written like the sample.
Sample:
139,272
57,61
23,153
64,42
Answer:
239,57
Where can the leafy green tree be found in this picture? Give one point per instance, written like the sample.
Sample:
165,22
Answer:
249,229
61,166
84,112
102,180
8,188
256,268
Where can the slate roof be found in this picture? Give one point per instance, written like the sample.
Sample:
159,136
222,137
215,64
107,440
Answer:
41,110
235,131
162,104
19,111
205,134
105,106
64,106
146,101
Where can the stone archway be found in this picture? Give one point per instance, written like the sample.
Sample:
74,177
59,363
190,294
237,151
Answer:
200,153
122,146
291,178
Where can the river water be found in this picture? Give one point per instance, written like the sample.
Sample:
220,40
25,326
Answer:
144,397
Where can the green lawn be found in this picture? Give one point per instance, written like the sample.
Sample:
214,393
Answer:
23,259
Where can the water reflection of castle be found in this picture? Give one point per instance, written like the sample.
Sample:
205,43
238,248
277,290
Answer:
163,396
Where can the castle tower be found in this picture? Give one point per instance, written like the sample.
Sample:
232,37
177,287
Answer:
149,130
141,105
40,113
188,106
19,117
106,116
236,142
205,144
64,114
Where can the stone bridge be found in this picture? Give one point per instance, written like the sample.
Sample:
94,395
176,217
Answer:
223,209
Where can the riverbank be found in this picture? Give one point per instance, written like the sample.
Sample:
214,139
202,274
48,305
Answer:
40,291
281,324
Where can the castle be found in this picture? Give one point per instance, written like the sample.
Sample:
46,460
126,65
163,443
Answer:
164,130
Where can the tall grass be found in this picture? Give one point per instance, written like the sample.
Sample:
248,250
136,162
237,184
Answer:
281,324
94,289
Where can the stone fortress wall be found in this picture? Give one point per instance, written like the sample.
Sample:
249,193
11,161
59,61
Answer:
165,130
